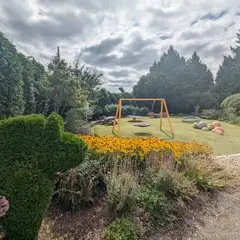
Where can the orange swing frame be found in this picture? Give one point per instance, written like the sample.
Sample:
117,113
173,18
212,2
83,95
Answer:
118,114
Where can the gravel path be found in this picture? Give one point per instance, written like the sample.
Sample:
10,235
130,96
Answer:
220,219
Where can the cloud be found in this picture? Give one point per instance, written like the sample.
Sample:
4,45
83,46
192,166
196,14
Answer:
105,46
121,38
210,16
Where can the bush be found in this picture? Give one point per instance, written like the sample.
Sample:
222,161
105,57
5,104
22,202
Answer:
122,185
211,114
229,114
32,150
174,184
156,203
233,102
121,229
110,110
205,173
80,185
77,120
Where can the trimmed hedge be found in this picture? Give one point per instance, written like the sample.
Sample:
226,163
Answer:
232,102
32,150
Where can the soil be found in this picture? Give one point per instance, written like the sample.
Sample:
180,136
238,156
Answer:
85,224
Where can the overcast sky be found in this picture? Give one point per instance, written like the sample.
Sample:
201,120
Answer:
121,38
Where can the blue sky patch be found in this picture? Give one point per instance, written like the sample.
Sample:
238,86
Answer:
164,37
210,16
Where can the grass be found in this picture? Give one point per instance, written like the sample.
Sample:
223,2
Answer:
227,144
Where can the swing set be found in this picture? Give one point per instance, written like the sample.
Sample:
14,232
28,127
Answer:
163,109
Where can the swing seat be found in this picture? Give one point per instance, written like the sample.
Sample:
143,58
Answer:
151,114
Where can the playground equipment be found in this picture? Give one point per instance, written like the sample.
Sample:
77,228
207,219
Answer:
191,119
142,124
163,108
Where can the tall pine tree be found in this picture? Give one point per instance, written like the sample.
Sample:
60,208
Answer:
228,75
28,87
11,84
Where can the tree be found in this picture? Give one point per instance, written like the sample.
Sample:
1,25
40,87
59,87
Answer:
41,87
28,84
164,80
11,84
228,75
199,76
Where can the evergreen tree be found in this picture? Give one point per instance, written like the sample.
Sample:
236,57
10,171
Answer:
41,88
11,85
199,76
228,75
28,84
164,80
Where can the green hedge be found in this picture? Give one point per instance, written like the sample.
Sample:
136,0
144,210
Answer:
32,150
110,110
232,102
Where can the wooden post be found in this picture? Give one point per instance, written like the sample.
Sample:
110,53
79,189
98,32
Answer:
58,54
116,117
120,116
161,115
169,121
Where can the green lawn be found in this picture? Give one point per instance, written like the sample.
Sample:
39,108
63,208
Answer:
226,144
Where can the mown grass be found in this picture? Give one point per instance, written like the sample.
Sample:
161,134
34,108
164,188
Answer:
227,144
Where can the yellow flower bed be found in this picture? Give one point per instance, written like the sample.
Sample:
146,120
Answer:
143,146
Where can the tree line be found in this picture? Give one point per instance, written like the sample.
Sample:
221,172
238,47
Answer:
186,84
76,93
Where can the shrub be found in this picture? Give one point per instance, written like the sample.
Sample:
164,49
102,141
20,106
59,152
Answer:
232,101
77,119
229,114
110,110
80,185
211,114
122,184
174,184
32,150
121,229
156,203
206,174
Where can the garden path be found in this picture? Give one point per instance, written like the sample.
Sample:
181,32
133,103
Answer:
219,219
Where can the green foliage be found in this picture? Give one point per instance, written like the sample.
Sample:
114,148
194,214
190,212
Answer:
184,84
76,120
204,173
32,150
211,114
110,110
174,184
232,102
80,185
229,114
11,84
28,87
122,184
121,229
156,203
227,79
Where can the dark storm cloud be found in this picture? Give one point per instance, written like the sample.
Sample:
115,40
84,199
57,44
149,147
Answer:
105,46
